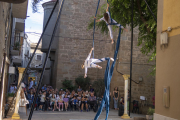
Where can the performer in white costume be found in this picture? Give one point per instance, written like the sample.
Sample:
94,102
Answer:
90,62
108,21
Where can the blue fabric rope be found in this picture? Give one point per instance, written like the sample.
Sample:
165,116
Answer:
95,25
107,79
109,12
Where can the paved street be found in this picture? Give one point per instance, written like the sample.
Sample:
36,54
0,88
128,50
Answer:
75,115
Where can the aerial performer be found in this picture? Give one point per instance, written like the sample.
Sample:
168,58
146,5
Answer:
90,62
110,22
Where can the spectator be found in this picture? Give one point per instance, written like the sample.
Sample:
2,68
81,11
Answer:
109,99
92,100
60,102
79,100
71,101
79,89
44,87
91,89
30,83
87,94
116,97
42,100
12,88
52,93
75,102
48,100
84,102
66,101
30,98
53,102
122,101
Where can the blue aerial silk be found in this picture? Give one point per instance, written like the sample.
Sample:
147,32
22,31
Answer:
107,79
108,73
95,25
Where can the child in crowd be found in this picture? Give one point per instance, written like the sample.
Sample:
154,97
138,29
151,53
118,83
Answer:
30,98
75,101
60,102
53,102
42,100
84,102
66,101
79,100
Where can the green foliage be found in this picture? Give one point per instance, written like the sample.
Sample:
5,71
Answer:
16,46
99,87
150,111
68,85
35,5
10,94
143,19
83,82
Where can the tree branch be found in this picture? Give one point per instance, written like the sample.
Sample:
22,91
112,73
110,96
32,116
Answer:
141,16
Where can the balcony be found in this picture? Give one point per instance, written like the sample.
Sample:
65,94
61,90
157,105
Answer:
20,10
17,60
20,24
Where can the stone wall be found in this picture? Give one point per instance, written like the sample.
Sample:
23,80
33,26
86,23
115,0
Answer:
76,42
3,17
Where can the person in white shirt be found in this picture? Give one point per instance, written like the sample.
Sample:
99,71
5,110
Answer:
12,88
90,63
108,21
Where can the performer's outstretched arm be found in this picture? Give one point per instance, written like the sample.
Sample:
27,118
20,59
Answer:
107,7
85,75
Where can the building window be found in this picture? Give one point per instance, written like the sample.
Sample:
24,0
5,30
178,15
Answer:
38,57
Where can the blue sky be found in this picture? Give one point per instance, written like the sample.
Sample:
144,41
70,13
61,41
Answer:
34,23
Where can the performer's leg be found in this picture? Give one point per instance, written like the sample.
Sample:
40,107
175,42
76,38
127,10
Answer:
95,66
113,21
101,60
111,34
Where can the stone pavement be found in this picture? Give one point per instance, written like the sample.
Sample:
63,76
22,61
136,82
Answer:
75,115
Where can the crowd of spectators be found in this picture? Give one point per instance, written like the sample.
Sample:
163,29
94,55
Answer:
63,100
50,99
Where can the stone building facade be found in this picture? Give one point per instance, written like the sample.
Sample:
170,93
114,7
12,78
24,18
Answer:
73,42
36,64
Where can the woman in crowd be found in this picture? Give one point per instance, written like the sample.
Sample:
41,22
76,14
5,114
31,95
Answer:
53,102
116,97
66,101
42,100
84,102
87,94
